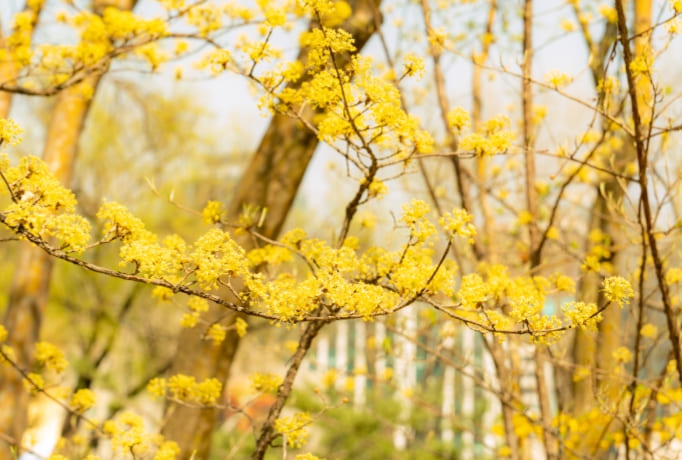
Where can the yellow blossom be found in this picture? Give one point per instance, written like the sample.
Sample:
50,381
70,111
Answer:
674,26
673,275
677,5
10,132
553,233
458,119
197,304
7,354
459,223
608,12
240,326
213,212
50,356
583,315
168,450
307,456
265,383
414,65
641,65
473,291
157,387
329,378
185,388
377,189
82,400
649,330
617,289
217,333
557,78
189,320
34,383
622,354
294,428
567,25
565,283
581,372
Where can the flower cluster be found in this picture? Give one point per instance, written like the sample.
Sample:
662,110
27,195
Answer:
493,138
185,388
51,357
128,436
294,428
265,383
10,132
617,289
41,205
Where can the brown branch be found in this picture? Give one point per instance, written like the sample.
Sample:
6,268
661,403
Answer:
642,164
452,141
267,434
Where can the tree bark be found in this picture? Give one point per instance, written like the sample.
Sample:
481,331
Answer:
608,338
30,286
8,68
270,182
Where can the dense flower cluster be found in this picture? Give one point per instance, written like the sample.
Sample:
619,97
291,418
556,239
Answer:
185,388
294,428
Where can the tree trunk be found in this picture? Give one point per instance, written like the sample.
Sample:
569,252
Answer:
270,182
595,351
30,286
8,68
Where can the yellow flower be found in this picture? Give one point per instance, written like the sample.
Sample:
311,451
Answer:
329,378
82,400
677,5
608,12
673,275
649,330
10,132
414,65
189,320
307,456
583,315
553,233
504,451
213,212
458,119
217,333
641,65
50,356
265,383
197,304
565,283
294,428
367,220
169,450
459,223
377,189
157,387
241,326
617,289
557,78
567,25
34,383
581,373
186,388
622,354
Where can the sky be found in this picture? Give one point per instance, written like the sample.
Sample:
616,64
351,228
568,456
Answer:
231,101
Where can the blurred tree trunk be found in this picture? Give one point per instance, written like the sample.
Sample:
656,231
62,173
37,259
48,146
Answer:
8,68
30,286
270,183
596,350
